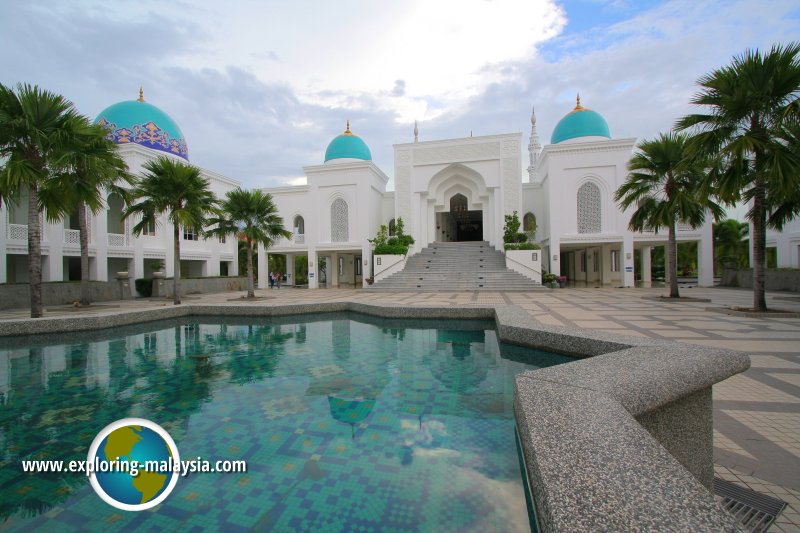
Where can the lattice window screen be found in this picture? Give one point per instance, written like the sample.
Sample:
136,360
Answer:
589,209
340,231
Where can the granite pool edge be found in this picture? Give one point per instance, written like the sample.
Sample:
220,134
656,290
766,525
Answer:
621,440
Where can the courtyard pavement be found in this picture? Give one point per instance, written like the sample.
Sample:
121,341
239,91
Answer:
756,414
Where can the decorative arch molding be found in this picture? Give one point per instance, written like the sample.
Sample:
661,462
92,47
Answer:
457,179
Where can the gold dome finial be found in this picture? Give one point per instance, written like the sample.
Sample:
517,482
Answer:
578,106
141,94
347,129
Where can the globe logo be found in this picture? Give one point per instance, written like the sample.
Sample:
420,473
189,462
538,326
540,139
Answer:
132,464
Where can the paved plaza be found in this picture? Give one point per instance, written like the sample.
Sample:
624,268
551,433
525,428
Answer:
756,414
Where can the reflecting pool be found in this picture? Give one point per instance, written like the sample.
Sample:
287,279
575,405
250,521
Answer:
347,422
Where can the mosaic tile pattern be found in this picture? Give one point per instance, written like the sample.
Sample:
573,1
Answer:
347,424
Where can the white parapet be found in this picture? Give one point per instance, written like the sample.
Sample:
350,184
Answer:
386,265
526,262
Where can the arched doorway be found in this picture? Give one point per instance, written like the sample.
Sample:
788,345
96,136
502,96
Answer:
465,225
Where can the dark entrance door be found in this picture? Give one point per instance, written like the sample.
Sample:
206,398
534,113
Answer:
468,224
470,228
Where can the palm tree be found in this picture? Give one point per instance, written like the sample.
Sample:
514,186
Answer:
92,168
36,128
253,215
178,190
664,185
752,106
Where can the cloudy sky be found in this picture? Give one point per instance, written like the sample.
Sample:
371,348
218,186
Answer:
260,87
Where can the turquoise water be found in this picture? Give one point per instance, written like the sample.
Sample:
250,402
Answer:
347,422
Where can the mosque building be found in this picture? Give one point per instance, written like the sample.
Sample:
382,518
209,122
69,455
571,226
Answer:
143,132
456,190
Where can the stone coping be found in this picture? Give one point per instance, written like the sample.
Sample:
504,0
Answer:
590,464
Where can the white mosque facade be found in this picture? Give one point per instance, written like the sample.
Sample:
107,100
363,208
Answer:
444,190
461,190
143,133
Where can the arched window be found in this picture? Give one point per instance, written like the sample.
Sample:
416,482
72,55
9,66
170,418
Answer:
340,230
529,226
299,225
392,228
589,208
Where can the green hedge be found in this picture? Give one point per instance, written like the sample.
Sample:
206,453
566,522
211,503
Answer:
391,249
144,286
522,246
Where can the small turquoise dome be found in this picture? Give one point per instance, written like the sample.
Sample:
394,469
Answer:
136,121
580,122
348,146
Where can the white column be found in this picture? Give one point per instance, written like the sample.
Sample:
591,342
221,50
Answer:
313,267
705,257
366,262
333,281
647,279
627,261
138,265
263,276
289,269
555,256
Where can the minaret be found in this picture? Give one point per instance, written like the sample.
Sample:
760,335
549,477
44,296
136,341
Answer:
416,132
533,150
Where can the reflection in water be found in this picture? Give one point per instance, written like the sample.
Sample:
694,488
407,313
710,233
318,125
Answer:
383,407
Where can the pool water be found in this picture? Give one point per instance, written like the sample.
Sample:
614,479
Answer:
347,423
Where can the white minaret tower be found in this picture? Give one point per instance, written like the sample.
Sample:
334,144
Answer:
533,150
416,132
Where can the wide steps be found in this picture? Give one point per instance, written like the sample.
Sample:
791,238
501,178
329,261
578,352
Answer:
462,266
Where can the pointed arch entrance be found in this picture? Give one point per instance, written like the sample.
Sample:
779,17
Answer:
460,205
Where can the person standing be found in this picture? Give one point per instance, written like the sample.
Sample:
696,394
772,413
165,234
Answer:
278,278
271,280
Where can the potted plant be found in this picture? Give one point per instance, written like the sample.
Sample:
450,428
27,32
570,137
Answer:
159,270
550,280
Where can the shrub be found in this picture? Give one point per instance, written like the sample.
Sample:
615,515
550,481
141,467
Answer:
511,228
548,277
144,286
397,245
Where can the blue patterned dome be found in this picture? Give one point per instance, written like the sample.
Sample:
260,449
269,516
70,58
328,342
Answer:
136,121
348,146
580,122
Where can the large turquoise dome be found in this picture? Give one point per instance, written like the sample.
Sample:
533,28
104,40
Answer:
580,122
348,146
136,121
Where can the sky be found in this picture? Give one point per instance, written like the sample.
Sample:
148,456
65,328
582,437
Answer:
260,87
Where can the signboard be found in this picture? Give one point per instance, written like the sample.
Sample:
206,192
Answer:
629,269
310,274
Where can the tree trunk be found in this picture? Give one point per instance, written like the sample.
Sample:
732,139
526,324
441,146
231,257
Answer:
672,263
250,284
83,227
34,252
759,248
176,267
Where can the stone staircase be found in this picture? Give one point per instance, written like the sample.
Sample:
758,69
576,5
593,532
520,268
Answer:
456,266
